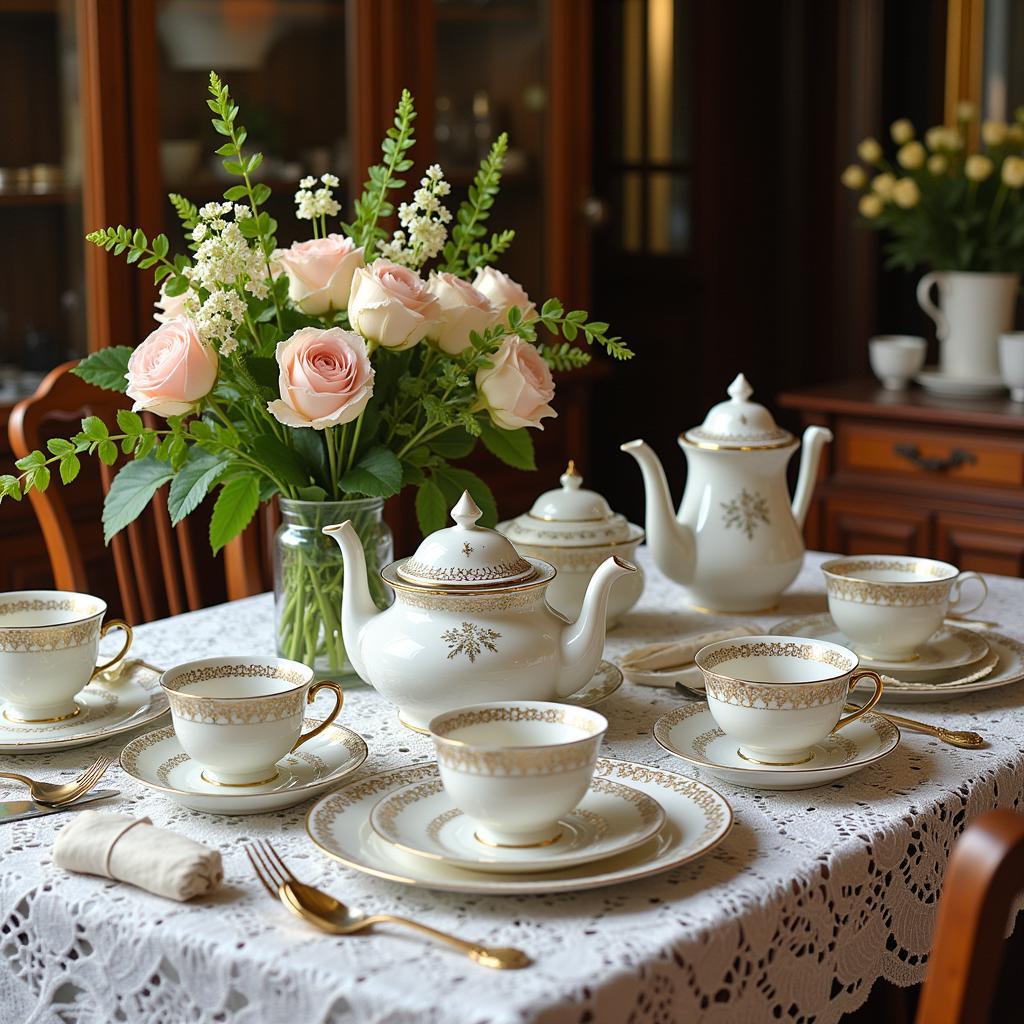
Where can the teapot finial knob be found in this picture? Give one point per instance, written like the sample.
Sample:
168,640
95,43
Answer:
466,512
571,478
740,389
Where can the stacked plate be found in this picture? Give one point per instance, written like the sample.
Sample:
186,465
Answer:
954,662
634,821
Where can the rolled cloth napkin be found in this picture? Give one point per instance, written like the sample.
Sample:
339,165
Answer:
680,653
134,850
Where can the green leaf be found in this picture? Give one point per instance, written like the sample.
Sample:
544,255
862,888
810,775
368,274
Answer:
235,507
70,464
108,452
58,446
453,444
279,460
130,492
106,368
454,481
95,429
10,487
378,474
192,483
431,509
130,422
513,447
31,461
309,444
312,493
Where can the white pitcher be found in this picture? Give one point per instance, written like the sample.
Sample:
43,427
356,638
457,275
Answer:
973,310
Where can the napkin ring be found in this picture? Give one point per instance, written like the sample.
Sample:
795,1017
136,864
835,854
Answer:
120,835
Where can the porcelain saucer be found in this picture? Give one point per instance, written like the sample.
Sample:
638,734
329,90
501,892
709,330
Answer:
940,383
697,819
606,679
106,709
690,732
157,761
950,647
611,818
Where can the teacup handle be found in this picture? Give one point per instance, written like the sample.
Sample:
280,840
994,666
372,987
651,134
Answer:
128,637
339,699
958,584
875,697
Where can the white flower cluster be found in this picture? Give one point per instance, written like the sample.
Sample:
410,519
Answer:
424,221
313,202
226,263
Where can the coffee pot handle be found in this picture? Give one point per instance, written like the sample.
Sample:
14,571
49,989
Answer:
957,588
924,300
339,699
875,697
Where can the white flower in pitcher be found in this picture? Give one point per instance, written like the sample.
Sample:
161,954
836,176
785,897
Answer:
911,156
463,311
854,177
938,163
882,185
1013,172
901,131
869,151
978,167
994,133
870,206
906,194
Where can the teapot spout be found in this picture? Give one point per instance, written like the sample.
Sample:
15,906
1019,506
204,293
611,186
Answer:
357,607
671,542
583,640
815,438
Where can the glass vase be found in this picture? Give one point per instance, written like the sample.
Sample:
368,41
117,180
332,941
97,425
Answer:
308,576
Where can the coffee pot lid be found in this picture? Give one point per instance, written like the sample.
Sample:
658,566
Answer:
465,555
739,424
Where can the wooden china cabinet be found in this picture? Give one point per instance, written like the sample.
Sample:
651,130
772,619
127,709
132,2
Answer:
911,473
114,118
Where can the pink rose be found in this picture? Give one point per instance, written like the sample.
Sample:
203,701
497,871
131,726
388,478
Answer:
320,272
517,387
326,378
504,293
463,310
171,306
390,305
171,370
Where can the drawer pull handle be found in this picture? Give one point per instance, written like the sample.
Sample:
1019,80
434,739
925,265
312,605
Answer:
935,463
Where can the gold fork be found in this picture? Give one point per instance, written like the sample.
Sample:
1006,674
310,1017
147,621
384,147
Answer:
57,794
330,915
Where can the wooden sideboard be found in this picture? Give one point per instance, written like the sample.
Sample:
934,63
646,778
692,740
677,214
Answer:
911,473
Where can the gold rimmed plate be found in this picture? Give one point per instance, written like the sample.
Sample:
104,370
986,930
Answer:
691,734
157,761
105,709
422,820
697,819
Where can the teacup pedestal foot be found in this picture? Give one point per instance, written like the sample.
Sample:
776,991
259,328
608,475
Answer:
775,758
257,778
22,714
518,840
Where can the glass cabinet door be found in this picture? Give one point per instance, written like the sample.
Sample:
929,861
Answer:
490,77
285,62
42,286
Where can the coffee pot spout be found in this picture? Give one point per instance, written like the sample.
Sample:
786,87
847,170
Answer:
815,439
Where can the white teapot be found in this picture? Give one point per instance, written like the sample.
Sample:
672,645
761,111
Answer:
736,541
470,622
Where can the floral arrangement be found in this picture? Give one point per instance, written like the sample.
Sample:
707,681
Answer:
942,205
327,371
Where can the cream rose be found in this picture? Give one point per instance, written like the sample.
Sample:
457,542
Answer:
902,131
966,111
854,177
870,206
391,306
1013,172
325,378
320,272
994,133
938,163
882,185
978,167
941,137
517,387
171,306
869,151
905,193
171,370
912,156
504,293
463,310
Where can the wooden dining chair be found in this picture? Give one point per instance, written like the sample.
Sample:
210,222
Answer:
983,879
160,570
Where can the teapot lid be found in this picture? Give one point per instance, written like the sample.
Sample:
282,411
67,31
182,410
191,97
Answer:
739,424
465,555
570,516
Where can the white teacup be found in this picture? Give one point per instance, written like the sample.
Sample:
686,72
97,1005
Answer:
238,716
514,767
896,358
778,696
888,605
49,640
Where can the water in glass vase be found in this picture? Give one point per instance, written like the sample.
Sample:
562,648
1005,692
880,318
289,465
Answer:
308,576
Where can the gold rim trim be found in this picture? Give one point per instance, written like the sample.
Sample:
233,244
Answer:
708,446
775,764
559,519
527,543
834,568
40,721
411,727
895,661
184,676
594,882
517,846
389,574
239,785
789,647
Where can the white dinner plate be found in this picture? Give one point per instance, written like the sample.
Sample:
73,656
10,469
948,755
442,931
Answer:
691,733
697,819
940,383
157,761
106,709
611,818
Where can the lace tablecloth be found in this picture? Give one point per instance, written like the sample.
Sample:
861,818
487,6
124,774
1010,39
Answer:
813,896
